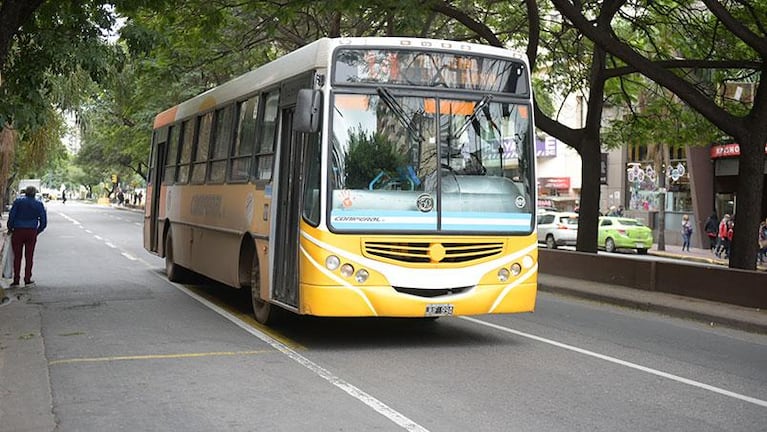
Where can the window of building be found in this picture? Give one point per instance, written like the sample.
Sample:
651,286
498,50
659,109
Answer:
643,190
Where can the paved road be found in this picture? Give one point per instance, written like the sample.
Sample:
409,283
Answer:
126,350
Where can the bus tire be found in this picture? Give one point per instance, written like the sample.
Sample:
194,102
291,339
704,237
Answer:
175,272
264,312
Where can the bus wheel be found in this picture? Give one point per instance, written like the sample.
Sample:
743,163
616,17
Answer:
263,311
175,272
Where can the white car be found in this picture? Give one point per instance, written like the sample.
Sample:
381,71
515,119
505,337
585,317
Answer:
558,229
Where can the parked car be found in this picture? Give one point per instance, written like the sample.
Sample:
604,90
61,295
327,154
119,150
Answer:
623,233
557,229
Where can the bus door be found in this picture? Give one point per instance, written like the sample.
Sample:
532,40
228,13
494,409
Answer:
157,161
285,224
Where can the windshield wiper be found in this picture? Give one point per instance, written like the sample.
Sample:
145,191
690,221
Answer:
477,108
399,112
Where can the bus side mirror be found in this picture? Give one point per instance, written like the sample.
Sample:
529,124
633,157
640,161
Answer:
307,115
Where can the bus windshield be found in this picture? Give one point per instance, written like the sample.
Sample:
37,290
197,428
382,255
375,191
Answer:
430,164
418,68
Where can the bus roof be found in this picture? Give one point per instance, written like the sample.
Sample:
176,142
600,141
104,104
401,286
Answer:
315,55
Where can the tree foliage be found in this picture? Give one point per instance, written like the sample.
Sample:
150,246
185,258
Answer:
727,41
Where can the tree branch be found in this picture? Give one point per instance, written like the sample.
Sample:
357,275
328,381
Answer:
758,44
688,64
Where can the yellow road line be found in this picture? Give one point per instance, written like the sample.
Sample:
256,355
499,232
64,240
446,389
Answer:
158,356
246,318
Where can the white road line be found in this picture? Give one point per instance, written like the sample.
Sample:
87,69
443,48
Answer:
129,256
625,363
318,370
110,245
97,237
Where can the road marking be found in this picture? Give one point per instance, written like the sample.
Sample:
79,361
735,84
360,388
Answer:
357,393
318,370
628,364
98,237
246,318
129,256
156,357
110,244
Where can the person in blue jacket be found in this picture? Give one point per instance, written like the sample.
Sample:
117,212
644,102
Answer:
26,221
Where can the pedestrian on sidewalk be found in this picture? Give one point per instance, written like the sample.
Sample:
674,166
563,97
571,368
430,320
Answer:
730,235
722,236
26,221
686,233
762,242
711,228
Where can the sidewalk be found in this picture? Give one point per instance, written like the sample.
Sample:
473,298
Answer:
714,313
694,254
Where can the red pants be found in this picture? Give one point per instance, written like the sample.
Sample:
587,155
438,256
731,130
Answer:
23,238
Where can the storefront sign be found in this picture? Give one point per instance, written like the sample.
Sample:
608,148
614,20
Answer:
727,150
546,147
554,182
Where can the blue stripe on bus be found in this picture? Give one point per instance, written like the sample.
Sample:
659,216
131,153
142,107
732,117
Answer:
452,221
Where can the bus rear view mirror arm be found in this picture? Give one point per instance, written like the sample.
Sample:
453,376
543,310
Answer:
307,116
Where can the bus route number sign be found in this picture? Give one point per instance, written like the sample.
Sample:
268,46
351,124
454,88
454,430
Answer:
439,309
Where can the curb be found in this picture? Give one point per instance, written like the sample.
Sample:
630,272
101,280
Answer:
666,309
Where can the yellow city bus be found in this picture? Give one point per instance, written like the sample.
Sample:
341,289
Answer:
385,177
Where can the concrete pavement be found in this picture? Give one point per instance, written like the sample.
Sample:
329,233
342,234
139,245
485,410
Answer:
25,392
713,313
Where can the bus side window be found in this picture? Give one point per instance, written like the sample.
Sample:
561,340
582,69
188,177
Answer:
187,143
245,141
172,159
265,152
312,167
221,143
200,165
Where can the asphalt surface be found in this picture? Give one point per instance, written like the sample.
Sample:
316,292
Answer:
25,394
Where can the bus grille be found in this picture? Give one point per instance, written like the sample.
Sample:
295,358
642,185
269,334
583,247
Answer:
423,292
424,252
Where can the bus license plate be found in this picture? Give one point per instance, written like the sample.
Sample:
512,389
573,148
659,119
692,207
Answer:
640,245
439,309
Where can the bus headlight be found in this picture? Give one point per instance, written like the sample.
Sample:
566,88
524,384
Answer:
332,262
361,276
516,269
527,261
503,275
347,270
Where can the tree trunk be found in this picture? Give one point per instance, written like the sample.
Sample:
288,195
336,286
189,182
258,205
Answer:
748,201
590,188
8,138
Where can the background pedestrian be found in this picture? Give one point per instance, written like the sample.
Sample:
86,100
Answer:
712,228
686,233
26,221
